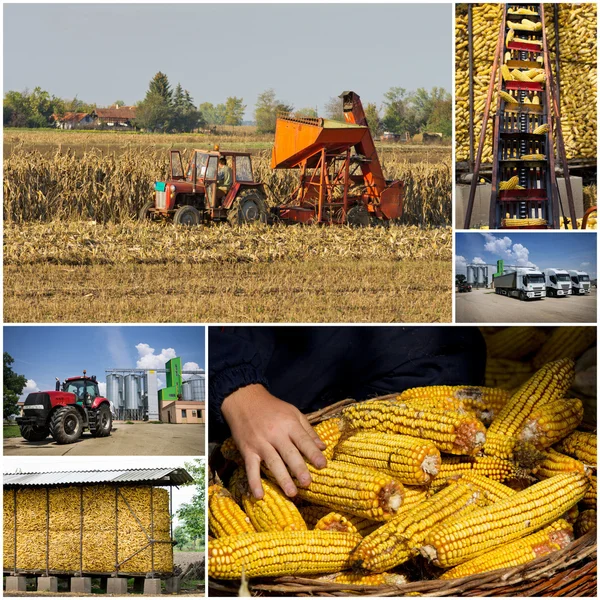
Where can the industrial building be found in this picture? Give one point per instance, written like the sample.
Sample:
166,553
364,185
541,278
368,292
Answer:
478,275
134,394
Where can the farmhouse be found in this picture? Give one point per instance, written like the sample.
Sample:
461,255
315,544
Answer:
73,120
115,116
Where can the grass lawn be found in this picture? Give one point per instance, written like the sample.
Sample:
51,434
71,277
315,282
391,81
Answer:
11,431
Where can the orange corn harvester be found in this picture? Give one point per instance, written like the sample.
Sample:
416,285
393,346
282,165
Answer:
341,180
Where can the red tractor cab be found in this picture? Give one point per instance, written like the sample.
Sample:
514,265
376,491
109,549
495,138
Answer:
66,412
197,195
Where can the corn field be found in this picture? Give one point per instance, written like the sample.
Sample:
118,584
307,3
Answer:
67,184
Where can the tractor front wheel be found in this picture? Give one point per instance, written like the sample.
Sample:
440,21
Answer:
248,207
103,425
187,215
66,425
34,433
145,214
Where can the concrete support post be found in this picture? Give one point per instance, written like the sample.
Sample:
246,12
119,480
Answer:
117,586
16,583
47,584
81,585
152,587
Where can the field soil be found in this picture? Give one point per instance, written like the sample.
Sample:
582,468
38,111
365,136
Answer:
139,439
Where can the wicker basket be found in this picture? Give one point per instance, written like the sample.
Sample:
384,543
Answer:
568,572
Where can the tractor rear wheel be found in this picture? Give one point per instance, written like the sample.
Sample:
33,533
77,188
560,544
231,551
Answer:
187,215
66,425
34,433
145,214
103,425
249,207
358,216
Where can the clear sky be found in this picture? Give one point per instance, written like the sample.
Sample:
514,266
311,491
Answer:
306,52
42,353
544,250
37,464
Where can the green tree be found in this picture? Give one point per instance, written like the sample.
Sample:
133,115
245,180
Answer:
395,117
181,537
373,118
155,112
118,103
192,513
334,109
266,111
211,114
234,111
13,385
307,112
460,278
160,85
440,116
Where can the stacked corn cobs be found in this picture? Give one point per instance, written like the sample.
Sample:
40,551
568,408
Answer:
467,478
100,534
578,74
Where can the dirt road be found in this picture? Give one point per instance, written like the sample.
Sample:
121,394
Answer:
139,439
485,306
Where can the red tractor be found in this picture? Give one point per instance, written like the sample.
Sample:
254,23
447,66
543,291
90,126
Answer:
66,412
195,196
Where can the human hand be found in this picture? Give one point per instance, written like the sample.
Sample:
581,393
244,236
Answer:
268,429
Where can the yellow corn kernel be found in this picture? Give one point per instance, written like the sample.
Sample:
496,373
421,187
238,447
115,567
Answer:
312,514
329,432
514,342
586,522
225,517
550,423
554,463
533,156
520,76
508,98
491,490
511,184
506,74
394,543
274,554
541,129
498,469
581,445
565,342
483,529
274,511
450,431
506,374
547,385
408,459
556,536
335,522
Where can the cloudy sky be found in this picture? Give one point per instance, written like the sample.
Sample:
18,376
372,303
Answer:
42,353
543,250
306,52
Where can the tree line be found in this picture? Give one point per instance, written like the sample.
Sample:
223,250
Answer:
169,110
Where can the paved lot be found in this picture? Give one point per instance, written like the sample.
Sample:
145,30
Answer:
485,306
140,439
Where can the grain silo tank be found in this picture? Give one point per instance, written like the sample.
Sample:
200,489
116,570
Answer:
470,275
197,388
131,392
479,275
485,276
139,380
186,391
114,389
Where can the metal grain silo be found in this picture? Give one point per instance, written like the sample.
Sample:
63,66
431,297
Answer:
479,276
485,276
114,389
470,275
131,392
139,380
197,387
186,391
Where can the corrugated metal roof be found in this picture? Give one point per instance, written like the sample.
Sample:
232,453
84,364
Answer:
166,477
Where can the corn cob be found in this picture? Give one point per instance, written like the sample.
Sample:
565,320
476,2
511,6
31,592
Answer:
329,431
509,38
589,500
519,76
511,100
553,463
519,515
484,401
349,488
230,451
450,431
272,554
238,483
498,469
225,517
524,25
312,514
511,184
523,222
491,490
556,536
521,11
536,99
506,374
506,74
410,460
541,78
536,156
364,578
334,521
581,445
415,495
531,73
514,342
548,384
541,129
586,522
550,423
565,342
572,514
274,511
394,543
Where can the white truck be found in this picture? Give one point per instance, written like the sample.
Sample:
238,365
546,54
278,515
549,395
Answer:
580,282
558,283
524,283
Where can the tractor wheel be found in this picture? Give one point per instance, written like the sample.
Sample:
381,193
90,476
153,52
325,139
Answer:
145,214
34,433
103,422
187,215
66,425
248,207
358,216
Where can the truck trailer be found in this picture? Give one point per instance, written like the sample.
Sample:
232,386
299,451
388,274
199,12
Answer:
558,283
522,283
580,282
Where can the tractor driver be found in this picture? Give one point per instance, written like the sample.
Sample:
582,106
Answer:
224,178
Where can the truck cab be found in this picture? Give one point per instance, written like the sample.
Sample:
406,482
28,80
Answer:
580,282
523,283
558,283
